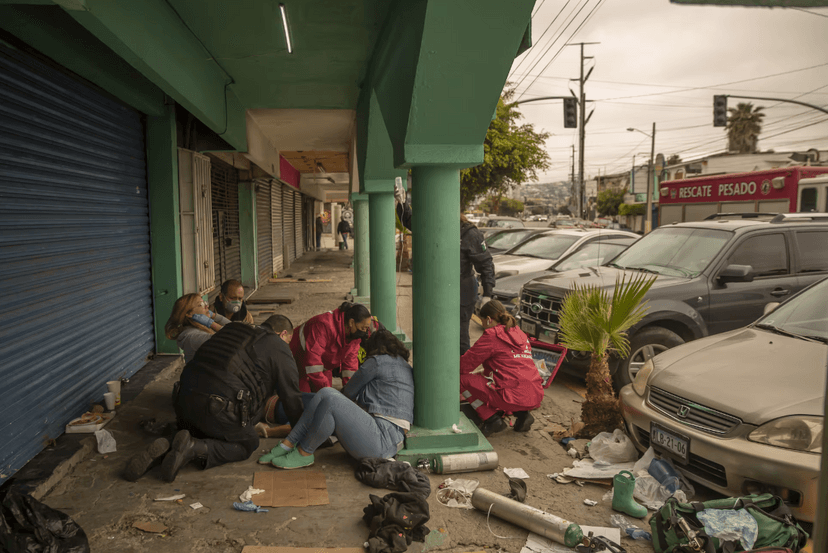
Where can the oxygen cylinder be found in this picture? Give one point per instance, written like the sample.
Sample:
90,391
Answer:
462,462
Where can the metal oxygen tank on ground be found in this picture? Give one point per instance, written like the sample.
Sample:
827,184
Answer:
461,462
540,522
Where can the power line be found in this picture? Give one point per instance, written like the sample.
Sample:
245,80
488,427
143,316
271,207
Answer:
806,11
541,37
538,8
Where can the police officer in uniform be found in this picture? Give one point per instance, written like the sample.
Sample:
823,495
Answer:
221,396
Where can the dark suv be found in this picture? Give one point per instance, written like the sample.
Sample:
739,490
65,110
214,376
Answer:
713,276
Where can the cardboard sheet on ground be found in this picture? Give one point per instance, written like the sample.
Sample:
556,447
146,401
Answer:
291,489
538,544
279,549
586,468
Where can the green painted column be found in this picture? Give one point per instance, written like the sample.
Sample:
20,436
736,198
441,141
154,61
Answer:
247,233
436,290
165,222
383,284
362,248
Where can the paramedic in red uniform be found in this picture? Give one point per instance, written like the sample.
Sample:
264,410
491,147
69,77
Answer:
510,381
328,341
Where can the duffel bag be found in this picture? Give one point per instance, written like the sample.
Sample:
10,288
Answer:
674,524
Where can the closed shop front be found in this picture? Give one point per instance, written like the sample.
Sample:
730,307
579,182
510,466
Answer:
74,250
224,183
289,229
264,236
297,223
276,225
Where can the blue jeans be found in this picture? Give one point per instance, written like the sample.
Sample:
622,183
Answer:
281,416
362,435
345,240
319,241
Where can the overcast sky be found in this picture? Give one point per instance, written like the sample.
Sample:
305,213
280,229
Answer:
650,53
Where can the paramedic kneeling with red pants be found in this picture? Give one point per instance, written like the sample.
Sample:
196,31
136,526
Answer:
510,380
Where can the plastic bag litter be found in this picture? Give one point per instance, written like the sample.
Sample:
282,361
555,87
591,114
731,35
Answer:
649,492
633,531
28,526
106,441
249,506
457,492
608,449
730,525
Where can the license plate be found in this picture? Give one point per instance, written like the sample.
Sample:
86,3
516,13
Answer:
669,441
529,328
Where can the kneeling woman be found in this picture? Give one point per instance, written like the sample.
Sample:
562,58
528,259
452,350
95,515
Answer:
370,416
510,380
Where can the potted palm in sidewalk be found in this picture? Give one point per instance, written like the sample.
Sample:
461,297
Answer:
595,321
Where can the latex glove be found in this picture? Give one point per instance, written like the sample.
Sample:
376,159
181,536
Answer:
399,193
202,319
485,300
211,314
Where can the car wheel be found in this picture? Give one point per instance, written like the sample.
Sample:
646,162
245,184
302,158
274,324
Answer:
645,345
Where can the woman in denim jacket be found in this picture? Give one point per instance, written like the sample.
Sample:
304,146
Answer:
370,416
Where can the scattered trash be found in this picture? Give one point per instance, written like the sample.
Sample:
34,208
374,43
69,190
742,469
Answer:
250,507
34,526
516,473
171,497
730,525
248,495
395,520
517,489
590,502
195,506
623,486
586,468
455,429
633,531
611,449
578,449
106,442
150,527
456,492
665,474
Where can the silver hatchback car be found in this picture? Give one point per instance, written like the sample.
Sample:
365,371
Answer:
743,411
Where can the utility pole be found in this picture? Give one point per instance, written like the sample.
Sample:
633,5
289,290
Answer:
573,186
582,127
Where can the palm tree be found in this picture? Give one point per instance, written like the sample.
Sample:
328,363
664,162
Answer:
593,321
743,127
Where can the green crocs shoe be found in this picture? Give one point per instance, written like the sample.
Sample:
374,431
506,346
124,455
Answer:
275,453
293,460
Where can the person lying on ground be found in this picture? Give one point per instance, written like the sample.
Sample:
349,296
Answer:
221,396
230,302
370,417
192,323
327,341
510,381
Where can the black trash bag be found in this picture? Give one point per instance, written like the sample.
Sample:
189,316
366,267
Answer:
29,526
394,475
396,520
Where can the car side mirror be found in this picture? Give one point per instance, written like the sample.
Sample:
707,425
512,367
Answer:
769,307
736,273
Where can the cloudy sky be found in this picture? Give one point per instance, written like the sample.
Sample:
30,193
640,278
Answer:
661,62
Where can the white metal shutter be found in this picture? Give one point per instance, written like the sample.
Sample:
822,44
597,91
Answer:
297,223
196,212
287,222
276,222
264,235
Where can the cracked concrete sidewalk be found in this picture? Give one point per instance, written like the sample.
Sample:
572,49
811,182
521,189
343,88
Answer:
106,506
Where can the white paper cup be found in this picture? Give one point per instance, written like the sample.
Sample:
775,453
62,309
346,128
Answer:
115,387
109,399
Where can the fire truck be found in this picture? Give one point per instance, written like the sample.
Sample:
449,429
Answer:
782,190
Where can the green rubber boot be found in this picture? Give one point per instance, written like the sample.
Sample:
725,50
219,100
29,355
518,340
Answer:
623,485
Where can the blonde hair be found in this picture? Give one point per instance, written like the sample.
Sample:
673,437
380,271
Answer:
180,317
496,312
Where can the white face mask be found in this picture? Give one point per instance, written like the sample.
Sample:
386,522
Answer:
233,306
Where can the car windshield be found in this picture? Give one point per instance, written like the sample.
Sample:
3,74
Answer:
805,315
591,255
674,251
545,246
507,240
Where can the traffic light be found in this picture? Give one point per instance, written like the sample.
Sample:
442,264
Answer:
720,111
570,113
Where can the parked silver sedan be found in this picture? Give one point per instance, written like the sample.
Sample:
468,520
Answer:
743,411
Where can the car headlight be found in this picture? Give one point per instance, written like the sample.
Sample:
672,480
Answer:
504,274
798,432
640,382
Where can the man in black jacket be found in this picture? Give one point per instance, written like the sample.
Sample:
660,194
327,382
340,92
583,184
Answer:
221,396
344,228
320,228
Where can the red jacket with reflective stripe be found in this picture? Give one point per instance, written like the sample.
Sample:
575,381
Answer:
320,344
506,357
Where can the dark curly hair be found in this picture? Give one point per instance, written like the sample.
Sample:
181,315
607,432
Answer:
383,342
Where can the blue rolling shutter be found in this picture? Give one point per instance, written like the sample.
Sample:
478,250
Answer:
74,251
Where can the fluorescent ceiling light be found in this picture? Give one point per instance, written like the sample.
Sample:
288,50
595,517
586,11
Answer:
283,11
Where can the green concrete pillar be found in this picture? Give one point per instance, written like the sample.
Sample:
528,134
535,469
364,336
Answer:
383,273
165,222
362,252
247,234
436,290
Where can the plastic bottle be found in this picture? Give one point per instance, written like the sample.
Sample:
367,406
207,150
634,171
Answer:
666,475
462,462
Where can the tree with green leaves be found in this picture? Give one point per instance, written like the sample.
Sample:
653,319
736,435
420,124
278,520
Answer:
595,321
507,207
743,127
512,155
609,200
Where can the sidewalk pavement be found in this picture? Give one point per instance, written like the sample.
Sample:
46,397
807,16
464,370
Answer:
106,506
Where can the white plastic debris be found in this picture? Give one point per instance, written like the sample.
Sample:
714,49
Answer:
249,493
171,498
106,441
516,473
457,492
195,506
590,502
455,429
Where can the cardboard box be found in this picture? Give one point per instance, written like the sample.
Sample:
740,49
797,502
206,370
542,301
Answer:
290,488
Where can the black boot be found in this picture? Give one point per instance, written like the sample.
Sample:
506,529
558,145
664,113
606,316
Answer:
140,463
184,449
470,413
493,424
523,421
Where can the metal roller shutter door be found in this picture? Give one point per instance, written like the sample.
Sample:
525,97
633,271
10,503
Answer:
297,224
224,182
74,251
287,222
276,225
264,236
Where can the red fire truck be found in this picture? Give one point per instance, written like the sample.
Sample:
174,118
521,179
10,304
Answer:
783,190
